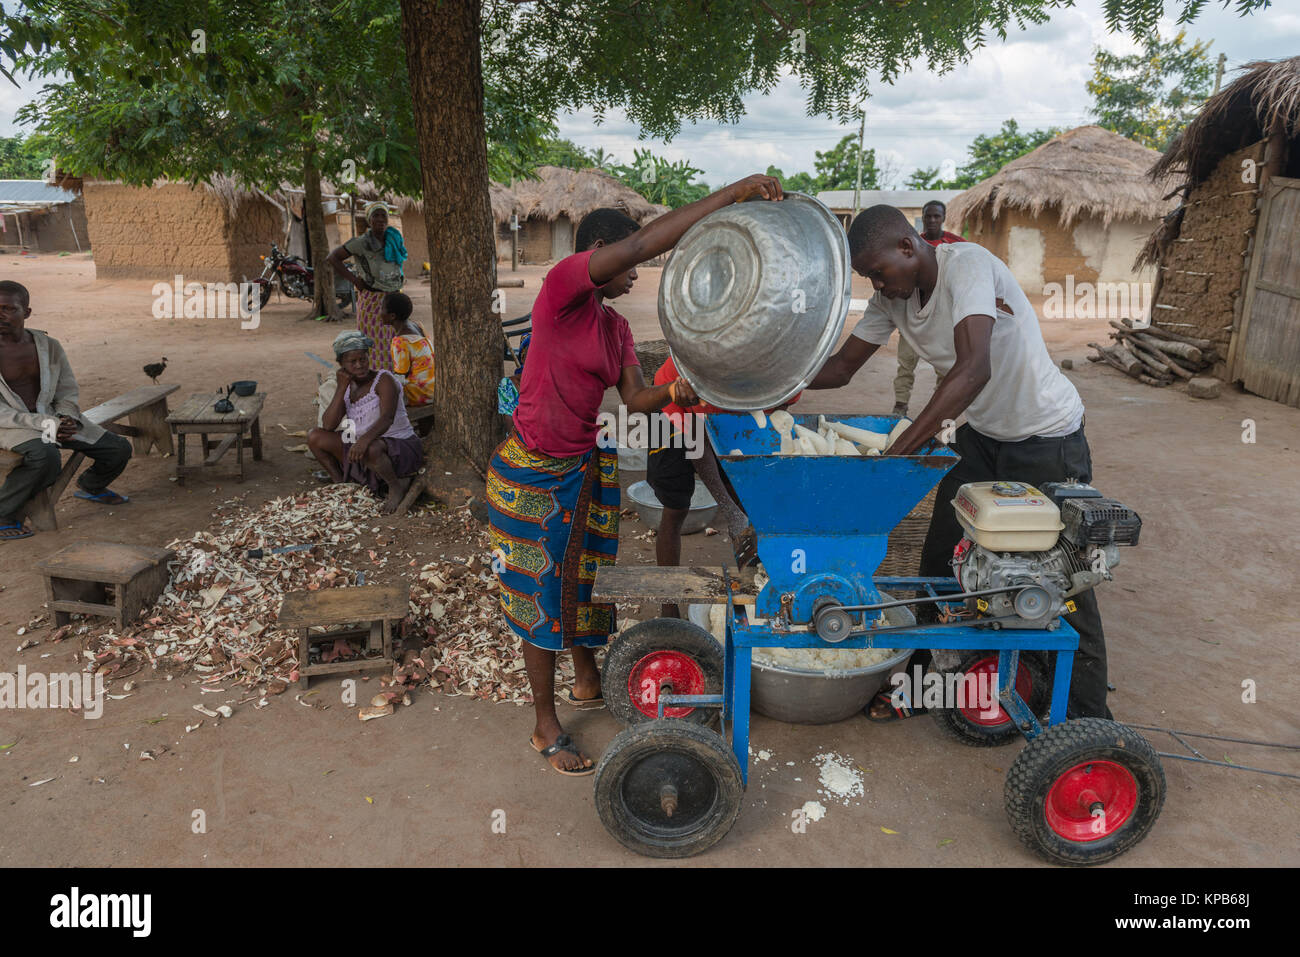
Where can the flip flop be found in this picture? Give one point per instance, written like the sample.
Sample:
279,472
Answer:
896,712
320,475
21,533
747,549
563,743
566,695
106,497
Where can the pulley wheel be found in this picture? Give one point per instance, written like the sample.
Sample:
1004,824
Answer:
1032,603
832,623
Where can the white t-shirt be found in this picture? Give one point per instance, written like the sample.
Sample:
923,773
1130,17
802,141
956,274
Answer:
1027,394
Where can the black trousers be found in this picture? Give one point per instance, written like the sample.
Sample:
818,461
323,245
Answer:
41,465
1033,461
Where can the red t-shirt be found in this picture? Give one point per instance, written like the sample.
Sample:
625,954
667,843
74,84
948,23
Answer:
947,237
668,373
579,348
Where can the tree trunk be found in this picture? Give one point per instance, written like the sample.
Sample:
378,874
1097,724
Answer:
443,59
314,217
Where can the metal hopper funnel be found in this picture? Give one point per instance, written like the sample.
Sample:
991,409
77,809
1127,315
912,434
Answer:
823,521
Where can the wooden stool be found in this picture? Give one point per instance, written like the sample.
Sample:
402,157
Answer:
378,605
79,578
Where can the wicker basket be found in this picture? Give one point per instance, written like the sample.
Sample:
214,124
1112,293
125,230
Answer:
652,354
903,559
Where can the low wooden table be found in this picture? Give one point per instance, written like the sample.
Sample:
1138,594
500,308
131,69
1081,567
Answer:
196,416
80,578
376,605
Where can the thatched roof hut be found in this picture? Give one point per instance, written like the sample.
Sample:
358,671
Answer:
1084,171
1078,206
551,206
573,194
215,231
1227,268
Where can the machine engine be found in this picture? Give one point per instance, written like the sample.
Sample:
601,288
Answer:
1042,547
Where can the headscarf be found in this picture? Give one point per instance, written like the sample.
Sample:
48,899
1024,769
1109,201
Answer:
352,341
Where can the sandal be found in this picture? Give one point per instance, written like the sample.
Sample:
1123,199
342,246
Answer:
106,497
563,743
11,533
897,712
568,697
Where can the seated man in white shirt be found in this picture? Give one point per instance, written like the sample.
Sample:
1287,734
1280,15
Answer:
962,311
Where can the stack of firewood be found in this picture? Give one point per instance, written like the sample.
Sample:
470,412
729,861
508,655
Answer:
1153,355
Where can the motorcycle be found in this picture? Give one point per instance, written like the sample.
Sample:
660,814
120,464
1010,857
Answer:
295,278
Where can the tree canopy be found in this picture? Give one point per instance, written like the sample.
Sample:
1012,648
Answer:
1151,96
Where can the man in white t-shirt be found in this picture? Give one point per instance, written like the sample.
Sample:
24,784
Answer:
962,311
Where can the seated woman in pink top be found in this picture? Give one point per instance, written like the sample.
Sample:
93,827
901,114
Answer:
367,437
553,497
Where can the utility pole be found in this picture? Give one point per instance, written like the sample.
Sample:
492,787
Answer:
857,182
1218,75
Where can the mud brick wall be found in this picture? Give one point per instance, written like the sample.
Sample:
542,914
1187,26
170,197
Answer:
1201,271
156,232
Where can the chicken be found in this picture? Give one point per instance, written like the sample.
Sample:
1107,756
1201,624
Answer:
154,369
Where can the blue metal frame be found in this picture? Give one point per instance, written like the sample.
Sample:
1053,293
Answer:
742,639
823,525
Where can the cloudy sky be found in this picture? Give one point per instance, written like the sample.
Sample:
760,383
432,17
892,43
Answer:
1037,76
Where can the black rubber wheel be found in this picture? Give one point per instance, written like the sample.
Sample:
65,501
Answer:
1085,791
970,727
668,788
652,652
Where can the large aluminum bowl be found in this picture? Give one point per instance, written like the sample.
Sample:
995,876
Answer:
754,298
650,511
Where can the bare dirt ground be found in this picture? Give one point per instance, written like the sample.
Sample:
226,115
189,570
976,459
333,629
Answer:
1205,603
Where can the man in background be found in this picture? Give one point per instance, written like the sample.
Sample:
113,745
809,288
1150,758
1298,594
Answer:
932,231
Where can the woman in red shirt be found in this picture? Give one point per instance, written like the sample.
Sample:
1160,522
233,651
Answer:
554,497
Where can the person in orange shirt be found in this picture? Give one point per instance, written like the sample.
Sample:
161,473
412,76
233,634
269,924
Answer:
671,476
411,348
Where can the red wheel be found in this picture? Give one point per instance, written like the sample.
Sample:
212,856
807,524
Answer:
1091,801
972,724
660,656
669,672
1084,791
986,670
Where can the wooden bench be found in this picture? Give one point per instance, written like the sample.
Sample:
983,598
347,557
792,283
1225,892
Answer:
105,578
373,607
145,410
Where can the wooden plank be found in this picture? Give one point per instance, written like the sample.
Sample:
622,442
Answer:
112,562
1282,289
672,584
417,412
221,449
351,664
84,608
1265,354
198,409
340,606
128,402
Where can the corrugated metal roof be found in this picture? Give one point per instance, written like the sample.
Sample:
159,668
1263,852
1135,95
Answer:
904,198
33,192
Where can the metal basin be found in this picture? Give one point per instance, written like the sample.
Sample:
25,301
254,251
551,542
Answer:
754,298
816,697
631,460
647,506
